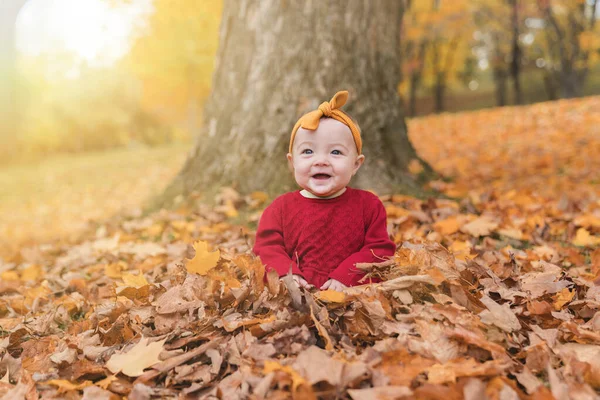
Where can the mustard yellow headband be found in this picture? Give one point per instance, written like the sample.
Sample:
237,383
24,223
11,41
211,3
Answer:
329,109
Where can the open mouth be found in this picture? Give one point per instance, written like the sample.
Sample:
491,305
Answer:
321,176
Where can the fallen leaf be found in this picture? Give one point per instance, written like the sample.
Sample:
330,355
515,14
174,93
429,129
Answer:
134,281
204,260
138,358
65,386
481,226
331,296
583,238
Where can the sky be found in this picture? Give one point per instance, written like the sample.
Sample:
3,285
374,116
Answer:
95,31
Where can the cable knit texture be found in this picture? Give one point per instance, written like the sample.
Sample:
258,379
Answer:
323,238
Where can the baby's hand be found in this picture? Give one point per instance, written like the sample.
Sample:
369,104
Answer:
301,282
333,284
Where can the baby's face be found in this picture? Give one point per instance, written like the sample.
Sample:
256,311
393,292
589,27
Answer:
324,160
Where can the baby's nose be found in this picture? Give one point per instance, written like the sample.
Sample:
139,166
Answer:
322,160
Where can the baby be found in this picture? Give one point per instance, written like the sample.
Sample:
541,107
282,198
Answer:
321,231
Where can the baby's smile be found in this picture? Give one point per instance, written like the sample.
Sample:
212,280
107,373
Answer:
321,176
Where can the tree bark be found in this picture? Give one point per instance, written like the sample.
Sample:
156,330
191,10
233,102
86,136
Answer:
280,59
9,10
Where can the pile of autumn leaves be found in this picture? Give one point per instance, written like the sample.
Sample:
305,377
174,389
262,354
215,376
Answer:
135,311
493,296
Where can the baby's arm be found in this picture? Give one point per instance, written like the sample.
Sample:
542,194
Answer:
377,245
269,245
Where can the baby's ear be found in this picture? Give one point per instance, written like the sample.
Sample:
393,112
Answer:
358,163
290,161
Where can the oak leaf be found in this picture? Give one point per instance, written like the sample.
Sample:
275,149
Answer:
138,358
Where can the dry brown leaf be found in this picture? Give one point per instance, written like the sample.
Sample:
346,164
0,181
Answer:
135,360
499,315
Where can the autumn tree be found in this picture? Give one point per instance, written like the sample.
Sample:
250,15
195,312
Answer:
278,60
435,47
500,23
572,42
9,10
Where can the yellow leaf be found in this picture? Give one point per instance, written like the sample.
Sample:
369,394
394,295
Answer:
9,276
331,296
447,226
65,386
563,297
136,281
115,270
461,250
261,197
587,220
583,238
273,366
105,383
204,260
138,358
31,273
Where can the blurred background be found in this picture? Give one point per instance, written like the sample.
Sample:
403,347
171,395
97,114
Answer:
98,74
95,91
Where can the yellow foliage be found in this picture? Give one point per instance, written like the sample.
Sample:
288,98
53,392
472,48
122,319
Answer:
174,57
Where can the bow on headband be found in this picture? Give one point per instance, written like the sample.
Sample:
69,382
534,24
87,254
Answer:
329,109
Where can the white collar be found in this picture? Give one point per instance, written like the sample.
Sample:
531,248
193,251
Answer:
309,195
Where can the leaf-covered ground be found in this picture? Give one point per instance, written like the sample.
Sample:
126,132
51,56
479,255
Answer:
493,295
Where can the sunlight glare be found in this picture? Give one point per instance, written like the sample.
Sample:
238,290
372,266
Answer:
94,30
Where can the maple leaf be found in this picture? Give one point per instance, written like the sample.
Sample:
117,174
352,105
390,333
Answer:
481,226
204,260
138,358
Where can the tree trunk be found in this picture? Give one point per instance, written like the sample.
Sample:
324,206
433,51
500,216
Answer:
280,59
550,86
500,85
415,78
515,64
439,90
9,10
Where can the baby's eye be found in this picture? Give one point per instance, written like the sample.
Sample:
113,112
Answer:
336,152
306,151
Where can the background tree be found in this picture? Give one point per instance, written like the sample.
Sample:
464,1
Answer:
572,42
450,38
436,36
278,60
174,57
500,23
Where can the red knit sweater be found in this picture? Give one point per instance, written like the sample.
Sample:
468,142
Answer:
323,238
